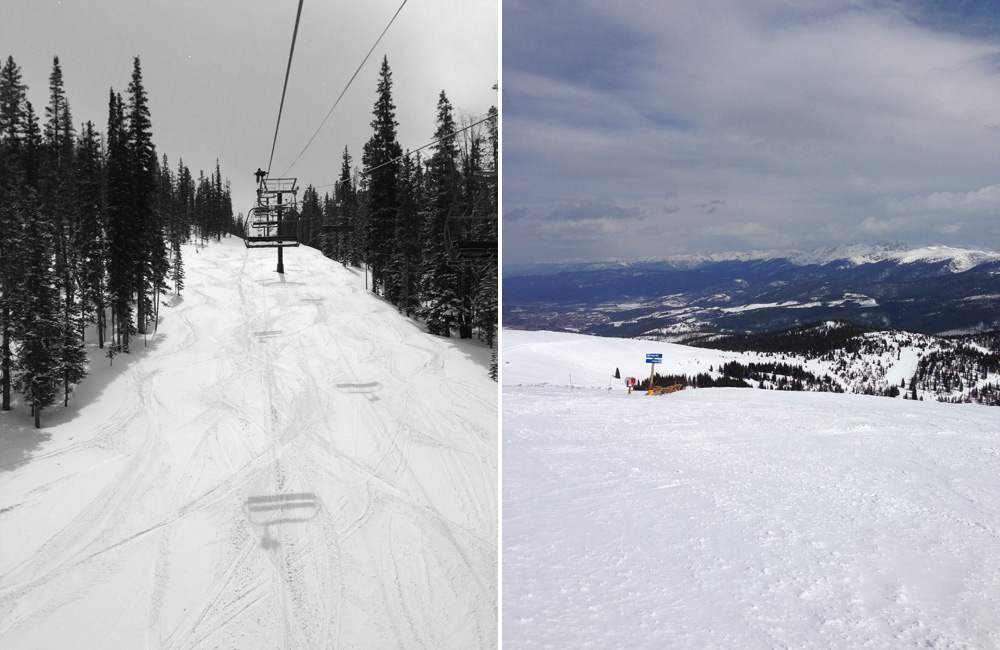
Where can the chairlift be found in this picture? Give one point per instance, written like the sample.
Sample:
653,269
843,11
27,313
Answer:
465,247
337,226
267,224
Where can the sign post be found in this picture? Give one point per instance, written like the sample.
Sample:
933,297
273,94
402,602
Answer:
653,358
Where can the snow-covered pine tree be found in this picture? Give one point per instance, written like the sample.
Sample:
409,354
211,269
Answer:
350,244
181,231
121,236
151,259
486,298
405,263
58,205
166,200
91,240
310,218
477,203
328,238
177,271
32,151
37,371
380,154
12,115
202,202
439,280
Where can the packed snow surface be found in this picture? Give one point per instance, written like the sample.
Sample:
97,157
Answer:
739,518
288,464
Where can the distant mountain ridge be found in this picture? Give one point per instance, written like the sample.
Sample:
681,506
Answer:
959,258
932,289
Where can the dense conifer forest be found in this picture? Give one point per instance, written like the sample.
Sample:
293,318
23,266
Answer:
91,225
425,227
92,222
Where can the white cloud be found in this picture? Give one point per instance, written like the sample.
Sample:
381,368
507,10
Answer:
811,119
982,201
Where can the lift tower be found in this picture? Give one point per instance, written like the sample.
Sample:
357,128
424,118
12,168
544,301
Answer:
267,225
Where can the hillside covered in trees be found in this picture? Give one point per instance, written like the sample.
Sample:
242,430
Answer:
840,356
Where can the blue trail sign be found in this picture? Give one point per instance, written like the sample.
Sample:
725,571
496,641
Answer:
653,358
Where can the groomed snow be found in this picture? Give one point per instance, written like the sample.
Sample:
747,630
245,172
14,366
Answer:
739,518
288,464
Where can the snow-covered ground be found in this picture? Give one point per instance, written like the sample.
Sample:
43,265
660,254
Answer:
288,464
738,518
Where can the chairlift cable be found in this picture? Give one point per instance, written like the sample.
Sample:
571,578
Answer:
344,91
429,144
288,69
409,153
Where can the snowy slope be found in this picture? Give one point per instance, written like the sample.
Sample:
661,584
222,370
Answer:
289,464
556,358
735,518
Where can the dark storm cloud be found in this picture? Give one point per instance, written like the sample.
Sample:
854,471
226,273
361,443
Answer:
711,206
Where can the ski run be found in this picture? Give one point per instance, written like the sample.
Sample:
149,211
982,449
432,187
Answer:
288,463
738,518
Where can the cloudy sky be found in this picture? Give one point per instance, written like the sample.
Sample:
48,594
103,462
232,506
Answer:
638,129
213,71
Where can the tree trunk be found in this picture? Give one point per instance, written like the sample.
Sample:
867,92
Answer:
38,416
101,323
5,364
140,307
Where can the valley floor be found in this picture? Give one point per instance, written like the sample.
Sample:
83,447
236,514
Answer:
288,464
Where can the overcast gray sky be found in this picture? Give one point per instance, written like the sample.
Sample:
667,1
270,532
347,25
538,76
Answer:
644,128
213,70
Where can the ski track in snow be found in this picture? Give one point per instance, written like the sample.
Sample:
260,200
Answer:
740,518
292,465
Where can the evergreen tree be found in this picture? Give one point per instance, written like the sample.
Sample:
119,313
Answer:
12,118
120,229
38,371
91,241
380,158
310,218
350,243
151,265
439,282
32,150
185,206
57,204
476,206
12,100
405,263
485,208
329,236
177,275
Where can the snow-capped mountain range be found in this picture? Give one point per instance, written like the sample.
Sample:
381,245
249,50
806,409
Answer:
959,258
934,289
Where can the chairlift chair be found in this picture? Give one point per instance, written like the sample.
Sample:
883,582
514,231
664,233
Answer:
266,225
465,248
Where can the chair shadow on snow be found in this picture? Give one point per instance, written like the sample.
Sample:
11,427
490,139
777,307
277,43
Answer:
368,389
272,510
